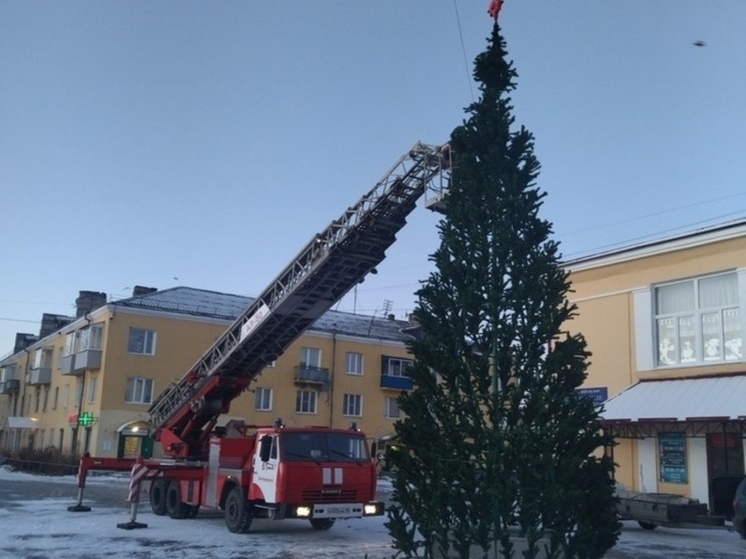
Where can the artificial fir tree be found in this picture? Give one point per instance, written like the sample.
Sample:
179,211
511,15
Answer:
496,442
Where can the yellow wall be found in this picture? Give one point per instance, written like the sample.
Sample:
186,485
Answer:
603,290
180,341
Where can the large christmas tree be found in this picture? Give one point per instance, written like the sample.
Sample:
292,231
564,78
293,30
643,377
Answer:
497,443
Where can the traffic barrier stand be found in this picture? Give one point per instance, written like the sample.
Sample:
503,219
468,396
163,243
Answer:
139,472
79,506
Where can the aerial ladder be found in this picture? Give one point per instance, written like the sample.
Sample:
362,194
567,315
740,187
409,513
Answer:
333,262
218,469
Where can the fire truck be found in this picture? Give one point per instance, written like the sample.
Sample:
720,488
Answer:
316,473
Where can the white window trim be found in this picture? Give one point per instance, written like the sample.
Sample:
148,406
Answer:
264,390
361,360
346,404
315,402
644,319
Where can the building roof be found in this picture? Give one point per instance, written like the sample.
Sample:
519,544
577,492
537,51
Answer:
689,399
225,306
693,237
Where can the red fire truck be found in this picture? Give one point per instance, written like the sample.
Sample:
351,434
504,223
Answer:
315,473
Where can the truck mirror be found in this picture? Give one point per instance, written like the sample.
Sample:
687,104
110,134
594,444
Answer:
265,445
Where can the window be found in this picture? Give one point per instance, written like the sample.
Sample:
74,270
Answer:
391,407
352,405
43,358
353,363
305,401
70,345
395,366
56,398
91,338
66,396
46,400
79,393
141,341
310,356
93,381
698,321
263,399
139,390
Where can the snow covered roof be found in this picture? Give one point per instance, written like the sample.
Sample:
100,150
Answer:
689,399
225,306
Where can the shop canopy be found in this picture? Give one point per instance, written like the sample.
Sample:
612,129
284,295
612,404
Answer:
19,423
708,402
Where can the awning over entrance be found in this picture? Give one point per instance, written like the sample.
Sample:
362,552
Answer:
680,399
19,423
705,402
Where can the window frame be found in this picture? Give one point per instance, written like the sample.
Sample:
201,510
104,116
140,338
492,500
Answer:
149,341
352,405
264,397
138,389
306,398
357,360
684,346
387,401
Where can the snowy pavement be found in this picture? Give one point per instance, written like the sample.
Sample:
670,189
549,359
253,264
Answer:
44,529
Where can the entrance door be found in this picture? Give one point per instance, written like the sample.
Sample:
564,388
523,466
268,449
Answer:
725,470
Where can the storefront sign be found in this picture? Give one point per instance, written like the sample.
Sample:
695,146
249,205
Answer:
672,455
597,395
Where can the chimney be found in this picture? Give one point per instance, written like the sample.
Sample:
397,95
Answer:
140,290
50,323
23,341
88,301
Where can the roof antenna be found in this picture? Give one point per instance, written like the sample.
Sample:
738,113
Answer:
387,304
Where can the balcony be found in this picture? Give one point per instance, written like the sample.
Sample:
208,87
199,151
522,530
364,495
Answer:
88,360
40,375
396,382
309,374
67,366
79,363
10,387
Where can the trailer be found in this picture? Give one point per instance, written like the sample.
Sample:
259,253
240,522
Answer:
651,510
316,473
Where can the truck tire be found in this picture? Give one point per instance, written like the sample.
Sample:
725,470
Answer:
174,507
158,496
322,523
647,525
237,512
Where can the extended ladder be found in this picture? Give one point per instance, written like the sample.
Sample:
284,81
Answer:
331,264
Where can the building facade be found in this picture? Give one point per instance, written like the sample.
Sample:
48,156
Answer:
87,386
663,321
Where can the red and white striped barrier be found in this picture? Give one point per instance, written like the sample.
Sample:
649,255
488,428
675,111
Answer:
139,471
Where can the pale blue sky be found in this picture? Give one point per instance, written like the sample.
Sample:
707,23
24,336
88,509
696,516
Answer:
144,141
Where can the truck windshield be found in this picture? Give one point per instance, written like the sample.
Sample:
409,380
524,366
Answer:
319,447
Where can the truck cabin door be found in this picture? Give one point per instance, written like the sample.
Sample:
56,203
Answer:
265,466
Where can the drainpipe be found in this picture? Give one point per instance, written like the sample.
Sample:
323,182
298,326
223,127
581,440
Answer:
331,379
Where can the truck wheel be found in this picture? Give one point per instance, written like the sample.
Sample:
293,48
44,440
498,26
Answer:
158,496
193,511
174,507
647,525
237,512
322,523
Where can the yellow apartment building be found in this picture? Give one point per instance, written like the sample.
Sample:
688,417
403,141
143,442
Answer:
664,324
87,386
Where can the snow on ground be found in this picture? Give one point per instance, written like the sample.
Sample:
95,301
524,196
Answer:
44,529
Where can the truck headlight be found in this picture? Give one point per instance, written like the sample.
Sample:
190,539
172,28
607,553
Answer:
370,509
303,511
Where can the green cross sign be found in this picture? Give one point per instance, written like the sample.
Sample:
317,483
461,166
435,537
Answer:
85,419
